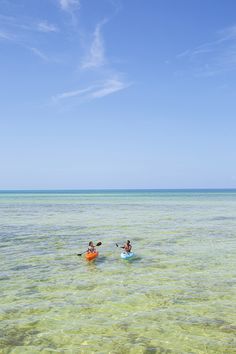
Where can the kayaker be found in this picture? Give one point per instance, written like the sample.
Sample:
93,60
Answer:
91,248
127,246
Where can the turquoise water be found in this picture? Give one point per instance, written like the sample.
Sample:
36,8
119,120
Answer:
177,296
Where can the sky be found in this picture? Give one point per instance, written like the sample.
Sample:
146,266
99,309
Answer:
120,94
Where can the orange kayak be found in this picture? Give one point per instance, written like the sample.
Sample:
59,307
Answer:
89,256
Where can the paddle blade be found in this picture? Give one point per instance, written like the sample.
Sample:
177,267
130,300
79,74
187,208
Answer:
117,245
99,244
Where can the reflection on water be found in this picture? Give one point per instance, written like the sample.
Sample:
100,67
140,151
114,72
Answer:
177,295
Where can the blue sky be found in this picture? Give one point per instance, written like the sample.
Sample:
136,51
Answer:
117,94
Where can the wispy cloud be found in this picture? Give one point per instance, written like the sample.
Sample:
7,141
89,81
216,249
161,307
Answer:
7,20
100,77
109,87
213,57
20,31
71,94
224,36
39,54
94,91
95,59
68,5
23,25
15,24
5,36
96,53
47,27
49,58
228,33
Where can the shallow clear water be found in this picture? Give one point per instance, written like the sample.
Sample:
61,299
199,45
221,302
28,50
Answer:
177,296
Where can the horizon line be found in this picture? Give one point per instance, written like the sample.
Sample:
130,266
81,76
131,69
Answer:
113,189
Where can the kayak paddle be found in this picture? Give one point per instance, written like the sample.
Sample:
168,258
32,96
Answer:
98,244
119,246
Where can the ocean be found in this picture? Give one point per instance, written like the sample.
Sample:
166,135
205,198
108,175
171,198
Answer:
177,295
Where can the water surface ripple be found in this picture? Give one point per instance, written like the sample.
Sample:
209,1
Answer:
177,296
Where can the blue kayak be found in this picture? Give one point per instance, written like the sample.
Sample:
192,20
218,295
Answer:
126,255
